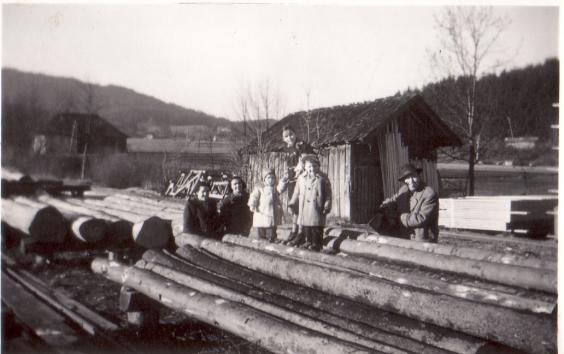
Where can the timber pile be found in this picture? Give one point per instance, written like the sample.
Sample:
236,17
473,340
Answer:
378,294
16,183
516,214
99,223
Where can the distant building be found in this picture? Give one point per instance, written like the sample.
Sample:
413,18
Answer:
189,130
68,133
522,143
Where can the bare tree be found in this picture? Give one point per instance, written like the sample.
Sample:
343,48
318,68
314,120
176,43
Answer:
469,36
257,106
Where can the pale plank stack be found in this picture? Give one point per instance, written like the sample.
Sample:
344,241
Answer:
520,214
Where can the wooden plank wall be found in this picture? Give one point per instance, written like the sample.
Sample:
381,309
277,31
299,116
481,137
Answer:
335,163
394,154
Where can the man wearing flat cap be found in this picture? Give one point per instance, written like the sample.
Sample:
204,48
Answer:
417,205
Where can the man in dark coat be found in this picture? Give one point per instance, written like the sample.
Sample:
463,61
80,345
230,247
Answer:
200,214
235,215
417,206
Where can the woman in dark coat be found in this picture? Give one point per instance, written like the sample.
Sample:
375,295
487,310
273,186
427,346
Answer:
235,215
200,214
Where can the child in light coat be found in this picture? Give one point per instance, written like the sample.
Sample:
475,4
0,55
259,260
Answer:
313,197
265,204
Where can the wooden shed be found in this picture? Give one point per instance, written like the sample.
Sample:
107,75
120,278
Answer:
67,133
361,148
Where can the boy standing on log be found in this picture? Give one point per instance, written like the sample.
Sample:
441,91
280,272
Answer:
200,213
265,204
294,150
313,198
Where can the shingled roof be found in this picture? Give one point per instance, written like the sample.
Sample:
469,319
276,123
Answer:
359,122
62,124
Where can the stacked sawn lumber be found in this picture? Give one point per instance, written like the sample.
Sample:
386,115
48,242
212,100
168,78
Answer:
521,214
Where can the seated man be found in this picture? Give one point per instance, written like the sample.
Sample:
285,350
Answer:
417,206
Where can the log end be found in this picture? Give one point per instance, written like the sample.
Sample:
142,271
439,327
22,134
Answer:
152,233
89,230
49,225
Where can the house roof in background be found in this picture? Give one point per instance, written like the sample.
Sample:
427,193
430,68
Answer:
358,122
62,124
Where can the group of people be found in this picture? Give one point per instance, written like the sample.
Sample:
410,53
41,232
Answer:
309,202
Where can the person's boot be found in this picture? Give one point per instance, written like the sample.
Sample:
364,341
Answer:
317,242
298,240
290,238
308,243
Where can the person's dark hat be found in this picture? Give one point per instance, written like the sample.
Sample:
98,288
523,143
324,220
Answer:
408,170
311,158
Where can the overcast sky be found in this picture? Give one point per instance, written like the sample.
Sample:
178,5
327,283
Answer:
201,55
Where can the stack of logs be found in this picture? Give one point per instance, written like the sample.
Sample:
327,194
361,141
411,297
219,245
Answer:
93,222
356,301
376,294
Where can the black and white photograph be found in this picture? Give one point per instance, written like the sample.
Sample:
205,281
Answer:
297,177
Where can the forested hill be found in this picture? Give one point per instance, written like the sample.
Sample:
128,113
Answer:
130,111
521,98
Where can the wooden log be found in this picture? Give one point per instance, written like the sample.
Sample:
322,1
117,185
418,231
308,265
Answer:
147,232
153,232
463,252
188,239
530,332
523,277
401,331
83,227
147,203
188,276
274,334
41,224
423,282
152,200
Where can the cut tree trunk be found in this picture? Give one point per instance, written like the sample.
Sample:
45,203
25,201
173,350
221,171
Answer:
237,293
389,327
531,332
365,266
40,223
274,334
147,231
84,227
523,277
463,252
